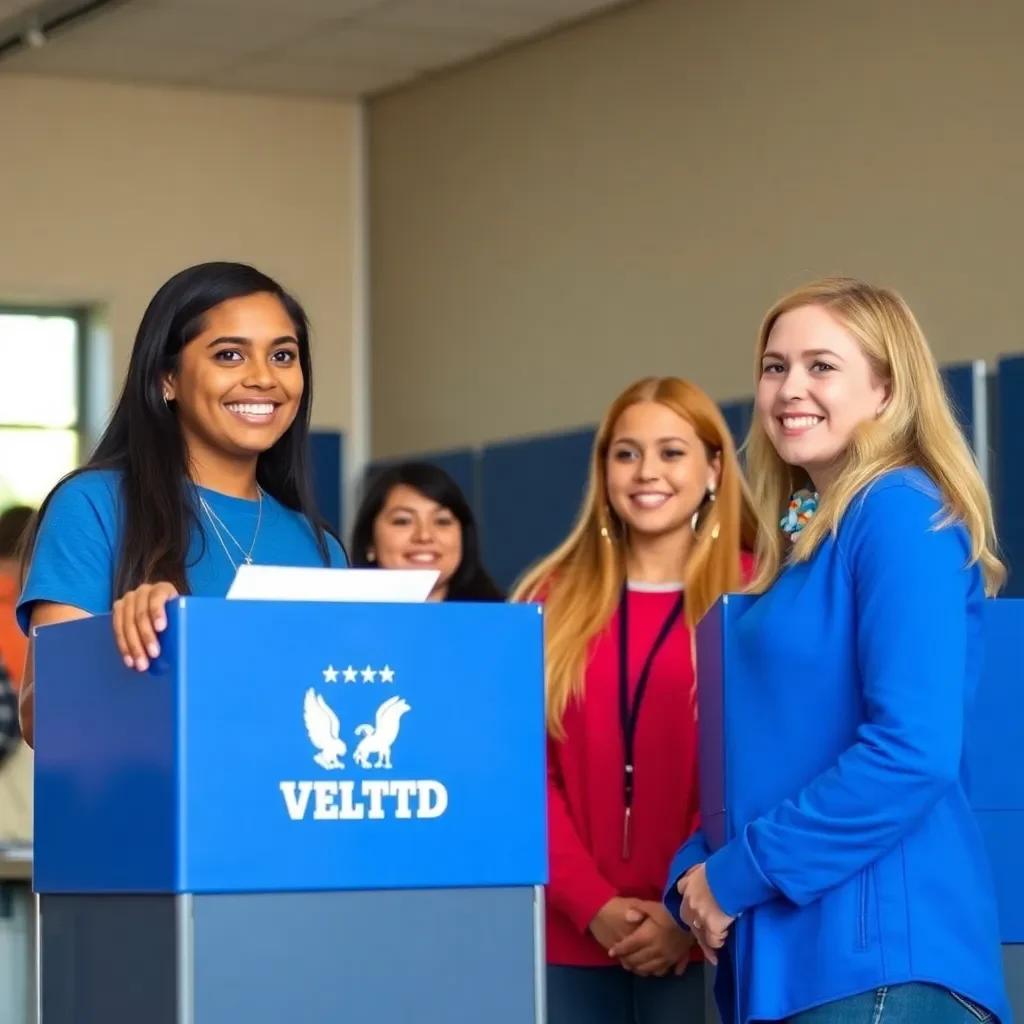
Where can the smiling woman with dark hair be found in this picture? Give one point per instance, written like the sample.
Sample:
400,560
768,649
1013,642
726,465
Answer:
414,516
203,467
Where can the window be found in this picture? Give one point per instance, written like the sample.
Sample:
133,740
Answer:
41,389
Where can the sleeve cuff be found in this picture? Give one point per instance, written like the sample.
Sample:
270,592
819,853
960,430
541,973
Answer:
735,880
581,907
694,852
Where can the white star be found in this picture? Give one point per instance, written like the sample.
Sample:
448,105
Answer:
368,674
387,675
330,674
349,674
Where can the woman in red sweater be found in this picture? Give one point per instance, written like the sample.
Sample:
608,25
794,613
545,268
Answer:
666,513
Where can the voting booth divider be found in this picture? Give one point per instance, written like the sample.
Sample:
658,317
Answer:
993,753
304,811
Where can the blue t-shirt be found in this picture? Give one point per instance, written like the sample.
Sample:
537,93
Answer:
79,543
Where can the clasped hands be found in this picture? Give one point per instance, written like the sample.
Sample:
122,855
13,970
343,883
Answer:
701,913
643,936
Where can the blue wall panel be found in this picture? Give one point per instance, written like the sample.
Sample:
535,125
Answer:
738,415
526,493
325,456
460,464
1009,449
531,492
959,381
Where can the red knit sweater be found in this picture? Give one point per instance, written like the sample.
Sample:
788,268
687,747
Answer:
585,799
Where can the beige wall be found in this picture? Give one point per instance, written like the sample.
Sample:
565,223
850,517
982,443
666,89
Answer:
629,196
105,191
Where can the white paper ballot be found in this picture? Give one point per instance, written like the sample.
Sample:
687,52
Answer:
285,583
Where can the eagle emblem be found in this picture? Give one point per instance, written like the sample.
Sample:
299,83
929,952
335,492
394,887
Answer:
324,731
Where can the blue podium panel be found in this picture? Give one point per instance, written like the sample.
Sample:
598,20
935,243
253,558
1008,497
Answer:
280,746
732,724
104,756
994,755
713,660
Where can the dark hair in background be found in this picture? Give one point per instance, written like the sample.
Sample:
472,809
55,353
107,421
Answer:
144,439
14,524
470,582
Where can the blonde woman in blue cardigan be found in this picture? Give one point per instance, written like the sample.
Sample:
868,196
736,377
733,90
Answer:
857,889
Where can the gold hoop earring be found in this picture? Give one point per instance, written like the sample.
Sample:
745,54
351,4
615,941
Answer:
605,531
695,526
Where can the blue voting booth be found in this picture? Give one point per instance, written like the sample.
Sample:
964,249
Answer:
303,812
993,756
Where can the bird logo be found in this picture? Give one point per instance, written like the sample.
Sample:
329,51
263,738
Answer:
374,747
378,739
324,730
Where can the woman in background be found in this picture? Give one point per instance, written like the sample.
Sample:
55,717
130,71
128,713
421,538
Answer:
857,887
659,539
414,516
202,468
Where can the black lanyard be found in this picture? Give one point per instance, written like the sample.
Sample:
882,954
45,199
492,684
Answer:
628,715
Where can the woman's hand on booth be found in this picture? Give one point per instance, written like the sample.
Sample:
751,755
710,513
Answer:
138,617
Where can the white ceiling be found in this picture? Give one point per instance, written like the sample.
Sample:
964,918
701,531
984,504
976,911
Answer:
331,48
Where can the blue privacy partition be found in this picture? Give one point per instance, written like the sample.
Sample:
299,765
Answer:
303,811
738,417
531,492
326,454
993,769
1009,482
965,385
460,464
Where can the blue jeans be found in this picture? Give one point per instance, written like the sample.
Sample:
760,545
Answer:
612,995
900,1004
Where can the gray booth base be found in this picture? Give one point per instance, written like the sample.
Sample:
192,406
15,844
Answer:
453,956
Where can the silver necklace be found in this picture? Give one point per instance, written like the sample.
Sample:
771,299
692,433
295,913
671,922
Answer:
218,524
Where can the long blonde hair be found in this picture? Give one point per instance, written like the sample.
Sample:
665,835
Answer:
582,579
916,428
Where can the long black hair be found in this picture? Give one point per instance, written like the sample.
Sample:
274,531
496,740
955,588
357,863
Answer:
144,440
471,581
